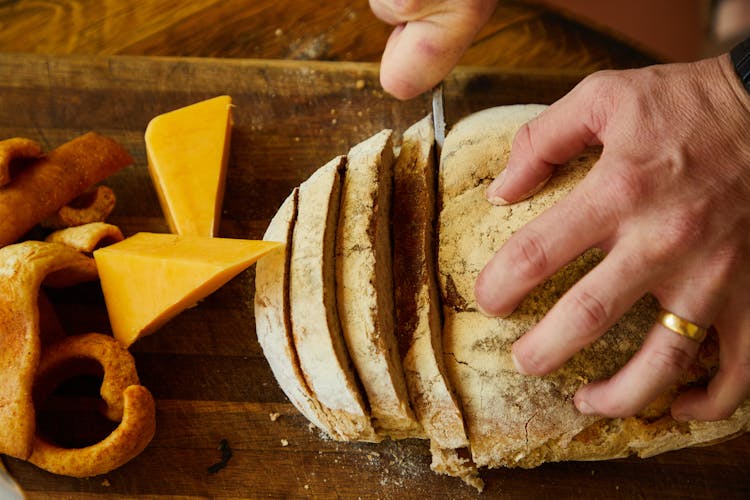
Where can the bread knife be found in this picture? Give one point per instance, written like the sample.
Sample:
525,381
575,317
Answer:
9,489
438,117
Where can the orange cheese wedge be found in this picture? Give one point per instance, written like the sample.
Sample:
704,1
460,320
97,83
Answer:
150,278
187,151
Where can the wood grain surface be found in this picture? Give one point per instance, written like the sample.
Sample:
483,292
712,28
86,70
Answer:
520,34
205,367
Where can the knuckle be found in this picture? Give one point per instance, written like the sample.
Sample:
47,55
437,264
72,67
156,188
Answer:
629,187
591,315
670,360
529,257
677,232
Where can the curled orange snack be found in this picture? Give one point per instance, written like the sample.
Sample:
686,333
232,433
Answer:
94,205
54,180
88,237
23,268
16,147
126,401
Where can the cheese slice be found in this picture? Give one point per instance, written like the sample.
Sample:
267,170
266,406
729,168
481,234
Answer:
187,151
150,278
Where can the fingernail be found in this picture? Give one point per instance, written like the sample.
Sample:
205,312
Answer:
536,189
495,186
497,200
485,312
518,366
585,408
683,417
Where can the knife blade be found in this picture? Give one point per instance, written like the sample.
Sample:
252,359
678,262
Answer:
438,117
9,488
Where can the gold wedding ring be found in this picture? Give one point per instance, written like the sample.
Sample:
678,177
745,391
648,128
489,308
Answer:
681,326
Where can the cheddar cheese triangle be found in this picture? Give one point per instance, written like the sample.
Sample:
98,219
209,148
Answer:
188,151
150,278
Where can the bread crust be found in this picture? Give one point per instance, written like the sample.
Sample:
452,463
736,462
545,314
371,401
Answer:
273,317
365,284
418,324
316,329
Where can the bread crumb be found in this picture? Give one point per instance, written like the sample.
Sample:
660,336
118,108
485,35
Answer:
106,483
284,442
334,121
278,32
274,416
360,84
307,486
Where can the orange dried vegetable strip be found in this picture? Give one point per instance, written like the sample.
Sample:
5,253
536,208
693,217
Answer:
23,268
94,205
51,182
88,237
126,401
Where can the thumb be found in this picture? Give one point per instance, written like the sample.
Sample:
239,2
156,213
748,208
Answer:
428,41
556,135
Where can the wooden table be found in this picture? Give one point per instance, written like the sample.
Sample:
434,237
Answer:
205,368
520,34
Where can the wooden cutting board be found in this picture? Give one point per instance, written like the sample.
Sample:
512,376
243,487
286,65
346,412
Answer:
205,368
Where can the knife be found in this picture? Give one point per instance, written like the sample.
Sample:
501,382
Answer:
9,489
438,117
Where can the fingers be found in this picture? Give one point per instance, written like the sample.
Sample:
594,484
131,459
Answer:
561,233
560,132
659,363
731,384
429,39
582,315
416,57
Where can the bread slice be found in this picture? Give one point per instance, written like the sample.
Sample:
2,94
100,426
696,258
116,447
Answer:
365,284
273,322
418,327
316,329
515,420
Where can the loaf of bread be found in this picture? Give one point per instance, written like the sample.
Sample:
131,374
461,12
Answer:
451,382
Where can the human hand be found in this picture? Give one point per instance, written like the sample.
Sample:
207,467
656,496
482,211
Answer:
669,202
429,38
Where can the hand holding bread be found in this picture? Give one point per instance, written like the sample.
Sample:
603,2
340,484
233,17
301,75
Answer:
667,202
